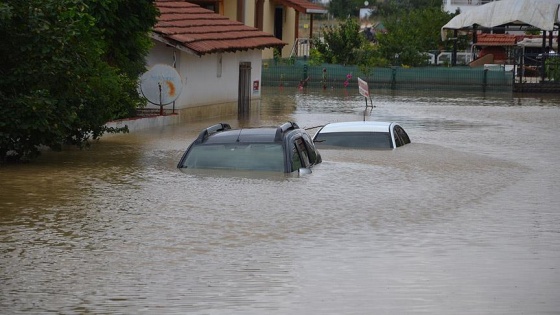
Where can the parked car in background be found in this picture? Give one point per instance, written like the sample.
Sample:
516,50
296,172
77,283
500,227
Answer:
362,134
285,148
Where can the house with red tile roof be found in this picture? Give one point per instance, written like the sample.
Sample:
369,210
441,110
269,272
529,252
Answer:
500,46
218,60
278,17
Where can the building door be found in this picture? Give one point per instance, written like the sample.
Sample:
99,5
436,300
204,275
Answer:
244,90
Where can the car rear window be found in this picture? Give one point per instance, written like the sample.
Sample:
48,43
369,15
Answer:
239,156
355,139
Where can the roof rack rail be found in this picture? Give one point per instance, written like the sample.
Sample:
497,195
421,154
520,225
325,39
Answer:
283,128
204,134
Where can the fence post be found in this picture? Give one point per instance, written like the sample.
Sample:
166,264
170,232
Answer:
394,78
484,80
518,71
303,82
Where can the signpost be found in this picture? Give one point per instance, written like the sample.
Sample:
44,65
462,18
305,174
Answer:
364,91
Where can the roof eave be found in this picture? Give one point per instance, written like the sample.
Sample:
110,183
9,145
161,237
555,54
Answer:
159,37
174,44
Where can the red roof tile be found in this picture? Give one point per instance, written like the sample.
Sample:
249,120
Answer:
202,31
495,40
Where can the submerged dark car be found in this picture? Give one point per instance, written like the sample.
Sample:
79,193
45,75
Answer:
362,134
285,148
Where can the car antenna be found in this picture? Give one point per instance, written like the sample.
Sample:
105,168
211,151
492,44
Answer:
238,135
307,128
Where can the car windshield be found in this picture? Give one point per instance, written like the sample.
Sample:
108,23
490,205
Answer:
238,156
380,140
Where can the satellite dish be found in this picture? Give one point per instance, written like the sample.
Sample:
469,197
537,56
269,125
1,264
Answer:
161,85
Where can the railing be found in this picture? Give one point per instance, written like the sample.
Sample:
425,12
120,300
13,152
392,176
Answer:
445,58
525,72
543,69
327,76
301,48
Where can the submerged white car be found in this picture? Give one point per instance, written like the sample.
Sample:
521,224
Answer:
362,134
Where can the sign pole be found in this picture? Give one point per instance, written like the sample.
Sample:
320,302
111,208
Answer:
364,91
161,85
160,102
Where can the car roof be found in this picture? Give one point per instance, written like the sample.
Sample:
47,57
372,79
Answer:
222,133
358,126
243,135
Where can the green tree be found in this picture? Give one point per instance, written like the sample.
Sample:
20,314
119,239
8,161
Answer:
344,44
64,74
412,33
125,25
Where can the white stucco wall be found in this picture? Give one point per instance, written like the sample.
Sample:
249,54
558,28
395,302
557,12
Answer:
203,83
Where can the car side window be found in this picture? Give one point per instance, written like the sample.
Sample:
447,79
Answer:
296,159
303,152
311,152
300,153
402,135
398,140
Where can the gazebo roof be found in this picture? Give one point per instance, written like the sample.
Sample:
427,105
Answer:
542,14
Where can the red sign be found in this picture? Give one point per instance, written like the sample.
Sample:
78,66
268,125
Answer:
255,85
363,87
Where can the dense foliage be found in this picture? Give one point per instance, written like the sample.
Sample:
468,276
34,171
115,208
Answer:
125,25
68,67
411,29
412,33
344,44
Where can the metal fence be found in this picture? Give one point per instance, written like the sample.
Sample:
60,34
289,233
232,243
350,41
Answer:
538,67
300,74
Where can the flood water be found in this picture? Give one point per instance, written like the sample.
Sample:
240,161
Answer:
464,220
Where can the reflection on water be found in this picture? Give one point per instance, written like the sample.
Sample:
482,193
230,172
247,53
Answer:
463,220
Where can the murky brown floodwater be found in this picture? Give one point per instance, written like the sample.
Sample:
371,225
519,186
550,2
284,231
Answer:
465,220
